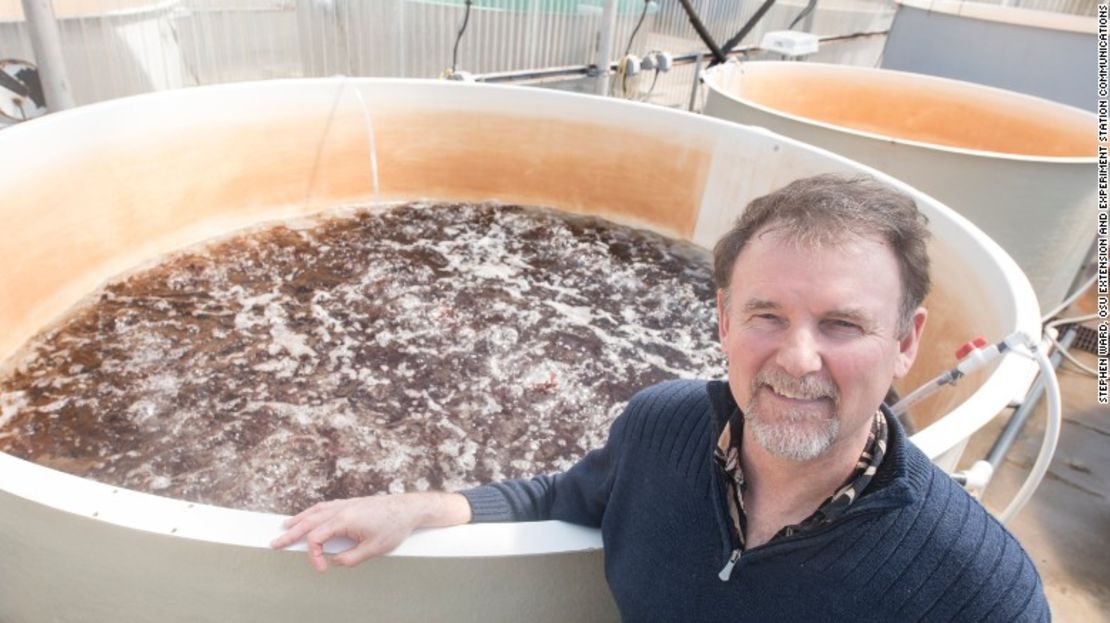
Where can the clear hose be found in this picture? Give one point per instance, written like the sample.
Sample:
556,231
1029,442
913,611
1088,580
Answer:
1051,436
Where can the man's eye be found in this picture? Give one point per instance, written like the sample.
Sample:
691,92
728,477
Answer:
765,320
844,326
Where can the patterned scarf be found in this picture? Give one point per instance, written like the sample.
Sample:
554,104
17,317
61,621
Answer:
727,455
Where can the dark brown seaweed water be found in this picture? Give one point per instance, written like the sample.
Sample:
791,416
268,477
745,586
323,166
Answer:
422,346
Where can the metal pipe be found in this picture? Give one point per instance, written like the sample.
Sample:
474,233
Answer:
539,74
47,46
698,65
606,37
1017,421
533,30
568,71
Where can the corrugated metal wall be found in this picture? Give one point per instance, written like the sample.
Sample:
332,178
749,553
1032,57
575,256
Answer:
1075,7
121,47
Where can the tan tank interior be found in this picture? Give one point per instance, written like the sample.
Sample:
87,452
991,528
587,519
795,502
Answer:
916,108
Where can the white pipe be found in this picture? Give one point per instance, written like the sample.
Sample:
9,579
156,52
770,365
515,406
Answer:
605,45
47,46
970,362
1051,436
532,32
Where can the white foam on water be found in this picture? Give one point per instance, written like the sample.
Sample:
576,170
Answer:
11,403
370,350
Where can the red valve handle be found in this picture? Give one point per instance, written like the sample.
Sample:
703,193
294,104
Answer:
966,349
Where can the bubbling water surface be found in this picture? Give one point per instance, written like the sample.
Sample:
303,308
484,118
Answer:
373,350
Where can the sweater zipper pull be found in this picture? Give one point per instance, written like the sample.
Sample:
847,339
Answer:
726,573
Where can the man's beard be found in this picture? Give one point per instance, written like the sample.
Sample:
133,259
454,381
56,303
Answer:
796,435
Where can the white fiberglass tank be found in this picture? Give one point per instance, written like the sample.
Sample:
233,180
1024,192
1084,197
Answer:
95,191
111,48
1019,167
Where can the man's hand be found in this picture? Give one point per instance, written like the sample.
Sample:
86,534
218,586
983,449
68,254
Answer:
376,524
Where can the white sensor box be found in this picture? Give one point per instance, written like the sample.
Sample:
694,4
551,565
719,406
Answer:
789,42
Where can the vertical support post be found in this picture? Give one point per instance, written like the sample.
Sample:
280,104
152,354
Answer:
532,33
403,37
607,35
47,45
697,79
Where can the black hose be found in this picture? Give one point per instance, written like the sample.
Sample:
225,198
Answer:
635,30
695,21
738,37
13,85
806,11
458,38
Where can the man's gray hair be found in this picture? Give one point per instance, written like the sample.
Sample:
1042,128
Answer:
831,209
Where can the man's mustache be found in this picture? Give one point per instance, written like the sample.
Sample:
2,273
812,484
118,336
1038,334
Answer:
809,387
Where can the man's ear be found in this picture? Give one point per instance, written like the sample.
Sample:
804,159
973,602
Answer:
907,345
722,317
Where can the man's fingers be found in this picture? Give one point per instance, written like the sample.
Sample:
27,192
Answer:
295,532
291,536
316,556
301,523
291,521
316,539
295,519
358,518
367,549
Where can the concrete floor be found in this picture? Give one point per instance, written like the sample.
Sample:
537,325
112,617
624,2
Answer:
1066,526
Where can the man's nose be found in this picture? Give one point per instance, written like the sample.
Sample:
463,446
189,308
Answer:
799,354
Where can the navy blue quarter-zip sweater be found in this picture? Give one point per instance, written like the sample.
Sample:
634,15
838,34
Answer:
914,547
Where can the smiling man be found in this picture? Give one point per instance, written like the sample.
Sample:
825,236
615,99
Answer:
789,492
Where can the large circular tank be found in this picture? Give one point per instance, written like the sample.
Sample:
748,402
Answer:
114,49
1020,167
93,191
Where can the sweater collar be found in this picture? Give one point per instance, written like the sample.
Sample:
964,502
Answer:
900,473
